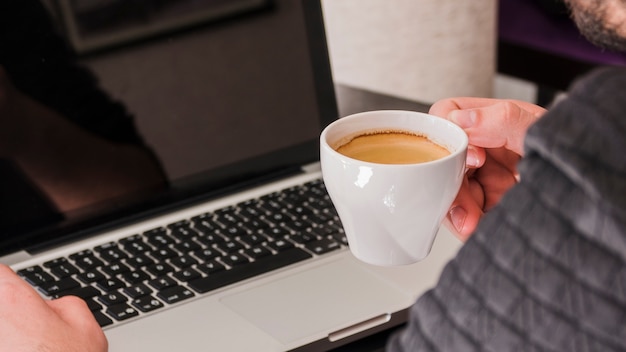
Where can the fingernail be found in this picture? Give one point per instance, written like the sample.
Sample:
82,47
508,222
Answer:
463,118
471,160
458,216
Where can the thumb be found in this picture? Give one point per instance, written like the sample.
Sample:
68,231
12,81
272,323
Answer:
76,314
503,124
72,310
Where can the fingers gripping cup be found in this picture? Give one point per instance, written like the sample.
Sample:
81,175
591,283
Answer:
392,176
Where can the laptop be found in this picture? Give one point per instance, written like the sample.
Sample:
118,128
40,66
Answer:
237,247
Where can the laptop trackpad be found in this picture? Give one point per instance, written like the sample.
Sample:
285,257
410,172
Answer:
317,301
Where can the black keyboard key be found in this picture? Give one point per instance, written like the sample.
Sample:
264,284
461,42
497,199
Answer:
328,228
105,246
250,210
284,203
175,294
90,276
274,232
137,291
115,269
235,259
113,254
85,293
137,246
271,205
252,239
205,224
303,237
135,277
230,209
207,254
160,239
87,262
263,265
323,205
210,239
231,232
257,252
210,267
54,287
322,218
256,224
155,232
64,270
302,212
227,216
78,255
163,253
147,303
122,312
230,246
102,319
110,284
187,246
55,262
298,225
184,261
187,275
30,270
38,278
280,245
280,218
130,239
322,246
183,232
112,298
139,261
160,269
162,282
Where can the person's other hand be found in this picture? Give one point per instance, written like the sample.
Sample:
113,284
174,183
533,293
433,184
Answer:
496,129
30,323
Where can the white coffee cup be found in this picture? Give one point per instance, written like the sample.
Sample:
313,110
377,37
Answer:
391,213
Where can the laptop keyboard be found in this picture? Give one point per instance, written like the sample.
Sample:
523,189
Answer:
166,265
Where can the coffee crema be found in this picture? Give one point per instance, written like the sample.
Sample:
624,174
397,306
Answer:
393,147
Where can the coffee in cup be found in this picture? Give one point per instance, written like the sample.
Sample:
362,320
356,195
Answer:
392,147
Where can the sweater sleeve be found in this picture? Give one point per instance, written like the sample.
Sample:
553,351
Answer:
546,268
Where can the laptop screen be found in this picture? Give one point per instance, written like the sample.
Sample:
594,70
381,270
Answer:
113,111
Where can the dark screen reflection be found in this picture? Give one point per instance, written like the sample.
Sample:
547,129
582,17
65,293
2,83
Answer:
63,140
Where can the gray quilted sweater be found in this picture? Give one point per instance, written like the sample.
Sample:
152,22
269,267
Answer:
546,269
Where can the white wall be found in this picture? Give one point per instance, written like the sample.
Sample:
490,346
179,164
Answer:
422,50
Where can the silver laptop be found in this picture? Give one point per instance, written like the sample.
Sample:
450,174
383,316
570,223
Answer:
228,242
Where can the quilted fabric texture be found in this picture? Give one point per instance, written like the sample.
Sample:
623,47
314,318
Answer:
546,269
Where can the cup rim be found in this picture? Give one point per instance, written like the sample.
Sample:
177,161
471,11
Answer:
453,154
